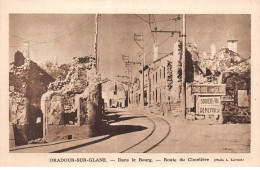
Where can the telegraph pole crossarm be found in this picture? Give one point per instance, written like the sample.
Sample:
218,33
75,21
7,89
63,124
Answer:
126,60
172,32
138,38
123,76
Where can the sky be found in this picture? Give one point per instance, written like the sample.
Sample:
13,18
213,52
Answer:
64,36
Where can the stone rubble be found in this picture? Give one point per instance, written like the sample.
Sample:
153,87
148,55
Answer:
54,70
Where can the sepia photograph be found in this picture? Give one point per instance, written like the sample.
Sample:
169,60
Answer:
129,83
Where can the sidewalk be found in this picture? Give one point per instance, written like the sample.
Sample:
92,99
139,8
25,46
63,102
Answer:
57,147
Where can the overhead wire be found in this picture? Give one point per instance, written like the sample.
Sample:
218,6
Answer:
141,18
164,40
141,28
155,26
58,38
151,28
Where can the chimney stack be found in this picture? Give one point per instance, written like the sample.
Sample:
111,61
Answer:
213,50
232,45
25,50
155,52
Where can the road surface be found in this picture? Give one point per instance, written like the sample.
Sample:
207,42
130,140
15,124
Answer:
133,132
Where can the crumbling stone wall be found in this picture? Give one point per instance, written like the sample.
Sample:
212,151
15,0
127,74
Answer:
27,83
237,78
74,101
176,71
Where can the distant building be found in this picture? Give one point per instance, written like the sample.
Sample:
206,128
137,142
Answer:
135,92
114,94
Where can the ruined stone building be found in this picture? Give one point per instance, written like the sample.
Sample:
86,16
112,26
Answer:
73,107
27,83
114,94
217,85
162,82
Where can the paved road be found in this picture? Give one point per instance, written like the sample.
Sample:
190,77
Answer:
136,132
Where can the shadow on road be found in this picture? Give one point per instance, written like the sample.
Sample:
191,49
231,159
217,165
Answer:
123,129
118,118
112,116
111,130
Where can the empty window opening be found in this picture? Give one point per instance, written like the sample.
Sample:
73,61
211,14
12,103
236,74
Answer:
156,78
70,118
69,137
163,72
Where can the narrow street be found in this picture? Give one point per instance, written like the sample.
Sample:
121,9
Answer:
142,133
158,89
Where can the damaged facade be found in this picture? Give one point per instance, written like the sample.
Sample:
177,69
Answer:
162,92
27,83
73,107
217,85
114,94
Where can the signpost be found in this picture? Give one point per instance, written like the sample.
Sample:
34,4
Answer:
208,100
209,105
208,89
227,98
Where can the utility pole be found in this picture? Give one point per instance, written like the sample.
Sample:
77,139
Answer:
128,63
143,75
140,38
96,43
183,68
183,35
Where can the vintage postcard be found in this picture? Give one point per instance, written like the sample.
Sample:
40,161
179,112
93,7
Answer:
110,83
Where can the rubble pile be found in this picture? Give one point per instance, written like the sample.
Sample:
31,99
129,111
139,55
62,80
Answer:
193,49
54,70
221,62
37,141
27,83
224,59
236,75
